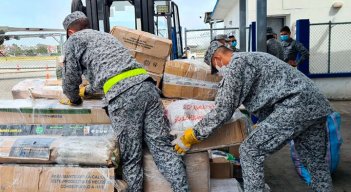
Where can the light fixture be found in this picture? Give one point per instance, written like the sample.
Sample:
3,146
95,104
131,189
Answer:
337,4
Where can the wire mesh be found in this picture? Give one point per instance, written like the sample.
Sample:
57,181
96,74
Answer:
198,40
330,50
27,57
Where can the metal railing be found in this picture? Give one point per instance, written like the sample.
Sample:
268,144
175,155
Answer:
27,56
330,51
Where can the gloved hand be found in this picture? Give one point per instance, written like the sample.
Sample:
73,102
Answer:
66,101
184,140
82,91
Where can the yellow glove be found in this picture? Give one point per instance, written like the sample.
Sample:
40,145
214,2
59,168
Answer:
82,91
66,101
184,140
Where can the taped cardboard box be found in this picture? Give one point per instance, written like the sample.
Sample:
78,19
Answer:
150,63
189,79
143,42
59,130
49,112
156,78
221,168
94,150
197,169
58,179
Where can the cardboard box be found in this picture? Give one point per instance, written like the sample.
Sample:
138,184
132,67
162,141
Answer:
42,88
221,168
225,185
189,79
59,130
150,63
49,112
229,134
57,179
143,42
156,78
36,88
234,150
99,151
197,168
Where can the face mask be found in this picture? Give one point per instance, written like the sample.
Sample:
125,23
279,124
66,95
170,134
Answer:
234,43
284,37
219,69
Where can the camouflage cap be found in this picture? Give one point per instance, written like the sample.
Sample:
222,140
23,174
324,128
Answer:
214,45
72,18
221,37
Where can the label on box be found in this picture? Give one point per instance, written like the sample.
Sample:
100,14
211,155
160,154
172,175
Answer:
184,81
32,148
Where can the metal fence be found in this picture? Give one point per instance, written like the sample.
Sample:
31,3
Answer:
330,48
28,56
198,40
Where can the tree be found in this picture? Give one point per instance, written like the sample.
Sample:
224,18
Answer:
42,49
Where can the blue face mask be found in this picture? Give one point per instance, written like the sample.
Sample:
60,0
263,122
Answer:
284,37
234,43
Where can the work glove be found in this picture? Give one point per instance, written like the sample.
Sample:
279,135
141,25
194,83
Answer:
184,140
66,101
82,91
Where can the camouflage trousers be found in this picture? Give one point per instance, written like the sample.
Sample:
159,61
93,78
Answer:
271,135
137,116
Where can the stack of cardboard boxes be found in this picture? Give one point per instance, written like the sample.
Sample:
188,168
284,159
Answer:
45,146
44,120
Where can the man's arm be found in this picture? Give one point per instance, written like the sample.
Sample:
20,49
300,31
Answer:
303,51
229,97
72,76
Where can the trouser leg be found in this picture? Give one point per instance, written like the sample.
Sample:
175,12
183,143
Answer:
158,140
311,147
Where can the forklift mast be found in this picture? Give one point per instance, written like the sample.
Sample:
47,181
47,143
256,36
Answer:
146,12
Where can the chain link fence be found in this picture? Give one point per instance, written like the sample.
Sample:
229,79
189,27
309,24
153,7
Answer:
27,56
330,48
198,40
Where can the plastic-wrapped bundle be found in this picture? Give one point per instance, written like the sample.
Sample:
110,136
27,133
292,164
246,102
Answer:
60,130
51,112
39,178
71,150
189,79
183,114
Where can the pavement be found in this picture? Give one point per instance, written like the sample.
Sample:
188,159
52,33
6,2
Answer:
280,173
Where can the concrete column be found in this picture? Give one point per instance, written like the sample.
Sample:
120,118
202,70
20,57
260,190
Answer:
261,30
242,40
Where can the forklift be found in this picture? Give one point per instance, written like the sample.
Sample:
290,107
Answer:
159,17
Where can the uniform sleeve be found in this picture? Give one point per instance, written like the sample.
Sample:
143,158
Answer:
303,51
229,97
72,75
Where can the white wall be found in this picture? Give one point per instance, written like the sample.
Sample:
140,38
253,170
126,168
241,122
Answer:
335,88
317,11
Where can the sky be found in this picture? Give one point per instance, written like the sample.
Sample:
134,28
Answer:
50,13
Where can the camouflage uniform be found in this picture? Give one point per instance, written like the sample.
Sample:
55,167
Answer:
275,48
134,104
292,48
288,105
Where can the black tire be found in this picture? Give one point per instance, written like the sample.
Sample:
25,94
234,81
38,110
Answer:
77,5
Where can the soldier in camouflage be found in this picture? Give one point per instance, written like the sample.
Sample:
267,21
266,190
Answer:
273,46
292,48
287,103
134,104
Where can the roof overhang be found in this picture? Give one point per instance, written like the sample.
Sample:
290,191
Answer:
222,8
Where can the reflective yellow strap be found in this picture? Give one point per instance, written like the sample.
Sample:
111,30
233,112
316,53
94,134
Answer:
114,80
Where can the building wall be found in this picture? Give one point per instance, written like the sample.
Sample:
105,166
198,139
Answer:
318,11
